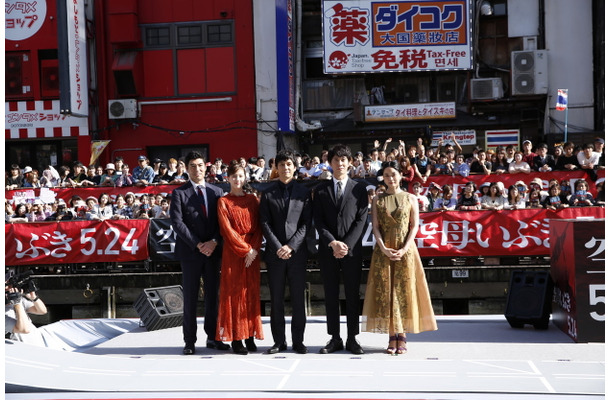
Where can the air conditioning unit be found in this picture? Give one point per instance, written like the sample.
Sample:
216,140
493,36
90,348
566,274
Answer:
122,109
486,89
529,72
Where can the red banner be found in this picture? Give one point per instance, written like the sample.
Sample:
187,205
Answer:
76,242
492,233
441,234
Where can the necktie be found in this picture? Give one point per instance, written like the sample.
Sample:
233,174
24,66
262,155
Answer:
202,198
286,196
339,195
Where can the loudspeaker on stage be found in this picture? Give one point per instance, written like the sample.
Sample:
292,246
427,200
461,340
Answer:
160,308
529,299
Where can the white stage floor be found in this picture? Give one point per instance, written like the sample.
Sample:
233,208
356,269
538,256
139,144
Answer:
469,357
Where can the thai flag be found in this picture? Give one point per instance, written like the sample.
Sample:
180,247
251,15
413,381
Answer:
503,138
562,99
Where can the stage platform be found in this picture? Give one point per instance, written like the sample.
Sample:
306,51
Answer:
469,357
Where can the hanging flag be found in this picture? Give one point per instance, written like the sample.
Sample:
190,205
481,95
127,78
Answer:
97,146
562,99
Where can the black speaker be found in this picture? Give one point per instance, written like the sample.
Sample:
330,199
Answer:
529,299
160,308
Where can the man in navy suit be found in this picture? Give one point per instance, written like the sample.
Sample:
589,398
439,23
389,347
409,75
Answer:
340,208
285,214
194,219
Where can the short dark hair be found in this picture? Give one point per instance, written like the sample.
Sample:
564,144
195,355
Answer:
285,155
340,150
193,155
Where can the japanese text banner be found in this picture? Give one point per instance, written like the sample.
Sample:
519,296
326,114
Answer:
76,242
492,233
410,35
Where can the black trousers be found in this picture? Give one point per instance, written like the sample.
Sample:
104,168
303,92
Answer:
294,272
192,271
350,269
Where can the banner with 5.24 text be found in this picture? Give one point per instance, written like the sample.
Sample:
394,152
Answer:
76,242
441,234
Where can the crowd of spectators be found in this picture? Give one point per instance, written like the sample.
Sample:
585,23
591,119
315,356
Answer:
416,161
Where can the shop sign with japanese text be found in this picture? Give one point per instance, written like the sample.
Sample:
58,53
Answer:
416,35
409,112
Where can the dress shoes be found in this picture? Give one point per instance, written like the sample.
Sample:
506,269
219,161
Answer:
189,349
299,348
332,346
216,345
250,345
276,348
353,346
239,348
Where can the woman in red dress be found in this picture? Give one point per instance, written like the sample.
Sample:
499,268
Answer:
239,314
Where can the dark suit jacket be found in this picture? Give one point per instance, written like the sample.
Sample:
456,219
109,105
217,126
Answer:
280,228
345,222
188,220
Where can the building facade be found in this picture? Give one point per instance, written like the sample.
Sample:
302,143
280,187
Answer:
164,78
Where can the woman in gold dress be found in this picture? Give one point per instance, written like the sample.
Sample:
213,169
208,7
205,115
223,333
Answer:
397,300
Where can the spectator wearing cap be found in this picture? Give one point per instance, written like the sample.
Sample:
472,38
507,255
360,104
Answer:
110,177
599,149
536,185
434,193
528,154
143,174
543,161
518,166
15,178
156,163
125,179
162,178
102,210
31,180
91,202
494,199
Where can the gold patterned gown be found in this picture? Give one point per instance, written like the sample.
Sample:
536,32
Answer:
397,297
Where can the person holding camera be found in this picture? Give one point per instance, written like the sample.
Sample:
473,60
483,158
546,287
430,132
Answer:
17,307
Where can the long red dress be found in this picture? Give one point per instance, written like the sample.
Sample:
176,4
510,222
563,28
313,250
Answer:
239,311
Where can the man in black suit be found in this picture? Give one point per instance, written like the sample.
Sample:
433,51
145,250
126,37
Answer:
340,209
194,219
285,214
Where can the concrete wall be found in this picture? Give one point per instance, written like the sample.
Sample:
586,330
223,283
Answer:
569,39
266,75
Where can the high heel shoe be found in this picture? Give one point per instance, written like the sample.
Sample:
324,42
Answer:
250,345
238,347
391,349
402,348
